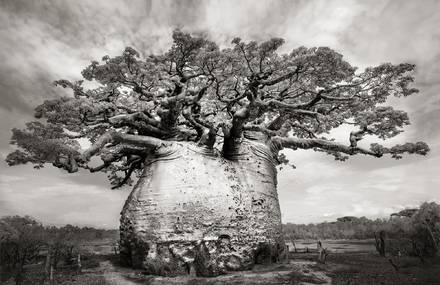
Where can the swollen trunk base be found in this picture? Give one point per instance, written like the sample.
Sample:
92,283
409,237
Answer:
195,212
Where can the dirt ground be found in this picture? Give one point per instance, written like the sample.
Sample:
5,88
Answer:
340,269
291,272
301,268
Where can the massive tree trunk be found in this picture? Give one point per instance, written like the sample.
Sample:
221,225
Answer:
194,210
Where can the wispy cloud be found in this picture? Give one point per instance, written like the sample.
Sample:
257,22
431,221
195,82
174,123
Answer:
41,41
52,197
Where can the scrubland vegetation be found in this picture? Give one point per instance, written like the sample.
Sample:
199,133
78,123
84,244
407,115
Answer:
415,231
403,249
31,253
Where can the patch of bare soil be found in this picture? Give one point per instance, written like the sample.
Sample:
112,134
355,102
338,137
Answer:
293,272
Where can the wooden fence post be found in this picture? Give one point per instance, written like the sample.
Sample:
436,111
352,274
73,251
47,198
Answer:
380,243
48,263
322,253
51,281
79,262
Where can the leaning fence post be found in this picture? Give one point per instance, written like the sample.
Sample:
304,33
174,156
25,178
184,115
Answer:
322,252
48,263
51,275
79,262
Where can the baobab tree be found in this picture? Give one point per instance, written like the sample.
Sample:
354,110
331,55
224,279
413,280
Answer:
202,129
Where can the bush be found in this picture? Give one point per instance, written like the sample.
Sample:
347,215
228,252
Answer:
21,239
426,229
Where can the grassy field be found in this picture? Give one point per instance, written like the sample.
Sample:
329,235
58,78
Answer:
335,246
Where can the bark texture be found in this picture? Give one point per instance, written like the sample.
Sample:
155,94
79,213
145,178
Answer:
196,211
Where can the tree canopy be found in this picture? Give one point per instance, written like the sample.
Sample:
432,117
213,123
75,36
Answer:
199,92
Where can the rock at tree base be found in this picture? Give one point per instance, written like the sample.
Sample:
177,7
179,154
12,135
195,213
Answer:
193,211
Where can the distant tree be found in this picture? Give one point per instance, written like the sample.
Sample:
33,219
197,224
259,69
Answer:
426,229
21,239
63,243
240,106
346,219
405,213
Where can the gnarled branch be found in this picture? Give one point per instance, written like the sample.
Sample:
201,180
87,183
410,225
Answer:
300,143
116,137
375,150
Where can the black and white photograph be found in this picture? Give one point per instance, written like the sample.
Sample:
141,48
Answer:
210,142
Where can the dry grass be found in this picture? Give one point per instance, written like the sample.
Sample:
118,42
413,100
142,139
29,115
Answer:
367,269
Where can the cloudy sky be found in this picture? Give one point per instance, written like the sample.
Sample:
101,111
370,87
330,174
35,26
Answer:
45,40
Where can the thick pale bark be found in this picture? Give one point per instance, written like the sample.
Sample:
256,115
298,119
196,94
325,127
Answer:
195,211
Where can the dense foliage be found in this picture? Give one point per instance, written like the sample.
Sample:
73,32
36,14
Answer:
201,93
